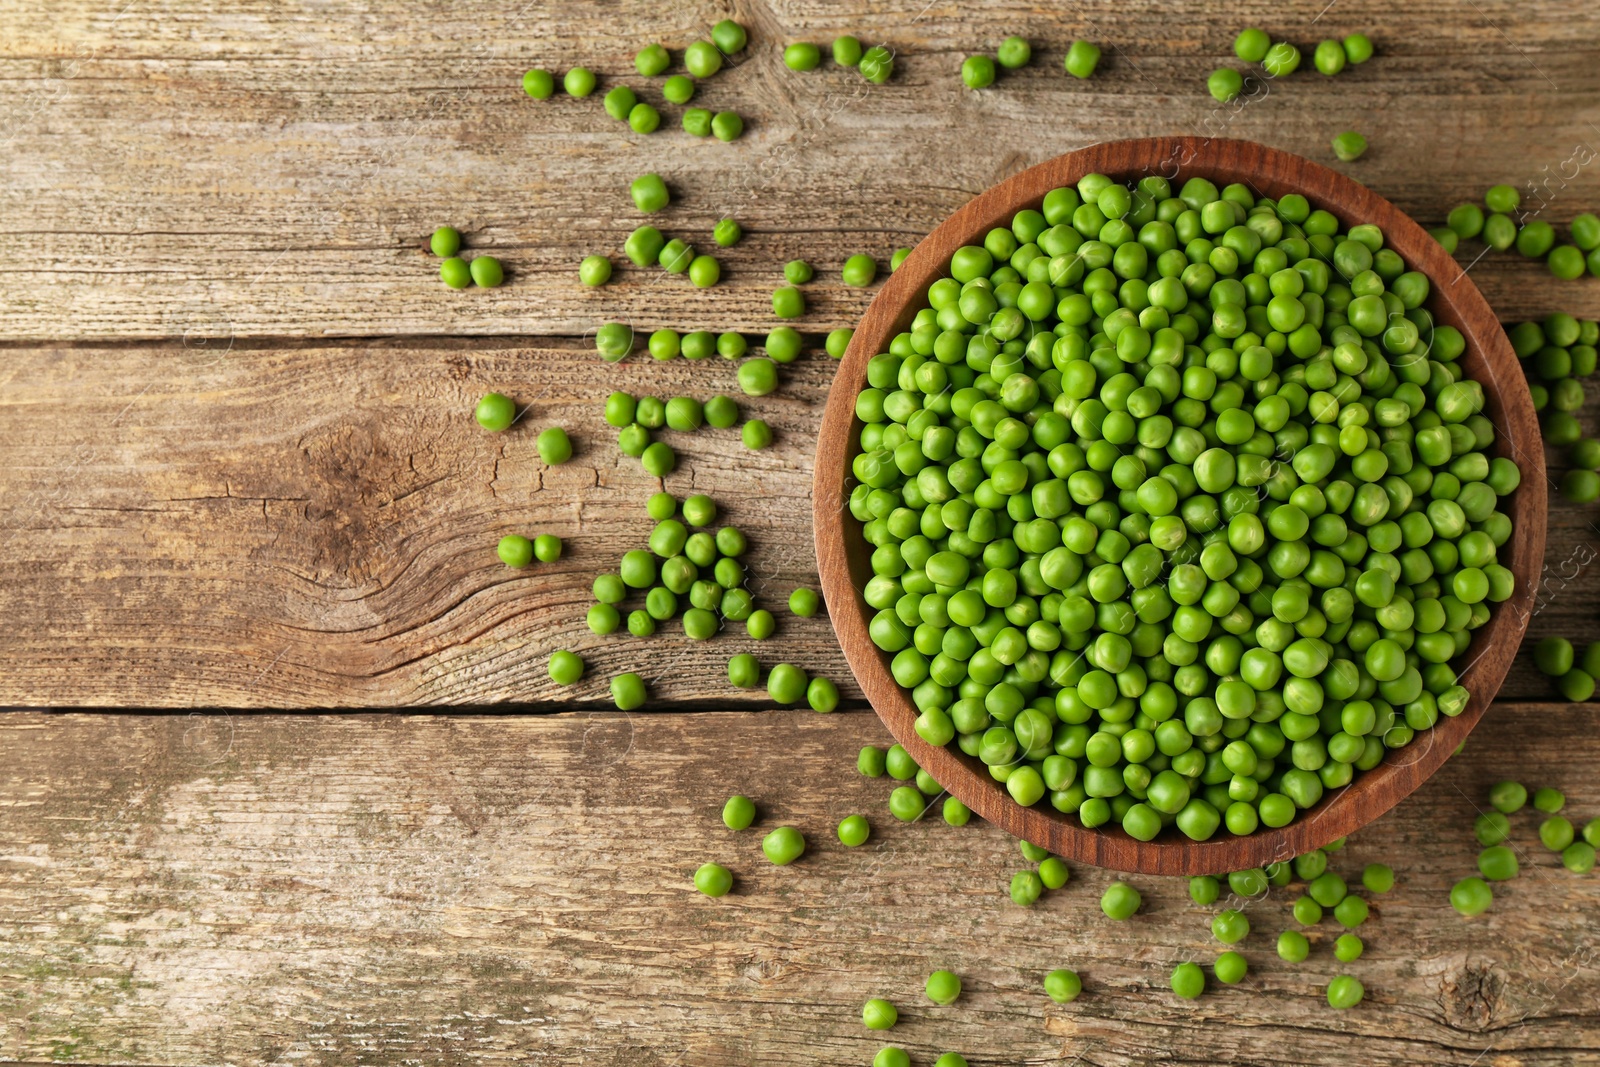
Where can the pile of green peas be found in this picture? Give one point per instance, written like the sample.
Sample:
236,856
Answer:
1555,354
1535,238
700,568
875,64
485,272
1179,506
1555,658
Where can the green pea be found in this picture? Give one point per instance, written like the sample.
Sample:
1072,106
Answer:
943,987
539,84
977,72
547,548
758,377
877,64
1471,896
802,55
739,812
859,270
644,119
783,846
614,341
1251,45
1225,84
1349,146
565,668
1120,901
1293,946
847,51
455,273
1281,59
727,126
1230,926
594,271
1188,981
787,303
1230,968
619,102
756,434
1345,992
649,193
579,82
729,37
446,240
697,121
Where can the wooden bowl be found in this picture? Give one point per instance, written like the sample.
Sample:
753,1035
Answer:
843,557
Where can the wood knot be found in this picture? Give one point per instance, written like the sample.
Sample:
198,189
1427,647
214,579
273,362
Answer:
1469,997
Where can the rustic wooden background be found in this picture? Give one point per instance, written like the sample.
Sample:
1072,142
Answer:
237,472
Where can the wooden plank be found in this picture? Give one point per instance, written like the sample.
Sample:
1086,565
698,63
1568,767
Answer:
267,171
390,889
314,527
317,527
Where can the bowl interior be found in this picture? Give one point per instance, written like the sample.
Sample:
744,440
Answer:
843,556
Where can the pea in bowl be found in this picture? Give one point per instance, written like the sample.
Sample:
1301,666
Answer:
1179,505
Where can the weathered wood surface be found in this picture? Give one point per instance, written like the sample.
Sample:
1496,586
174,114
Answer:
315,527
206,499
403,889
260,170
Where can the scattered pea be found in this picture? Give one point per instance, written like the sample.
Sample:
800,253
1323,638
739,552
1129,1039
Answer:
713,879
565,668
783,846
1120,901
756,434
446,241
1188,981
879,1014
1471,896
651,60
1349,146
1345,992
539,84
1082,59
627,690
943,987
455,273
802,55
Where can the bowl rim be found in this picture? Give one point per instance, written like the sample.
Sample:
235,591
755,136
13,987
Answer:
1453,299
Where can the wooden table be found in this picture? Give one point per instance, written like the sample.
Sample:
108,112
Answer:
239,489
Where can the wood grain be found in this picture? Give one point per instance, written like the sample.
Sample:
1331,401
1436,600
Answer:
844,558
254,168
392,889
315,527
